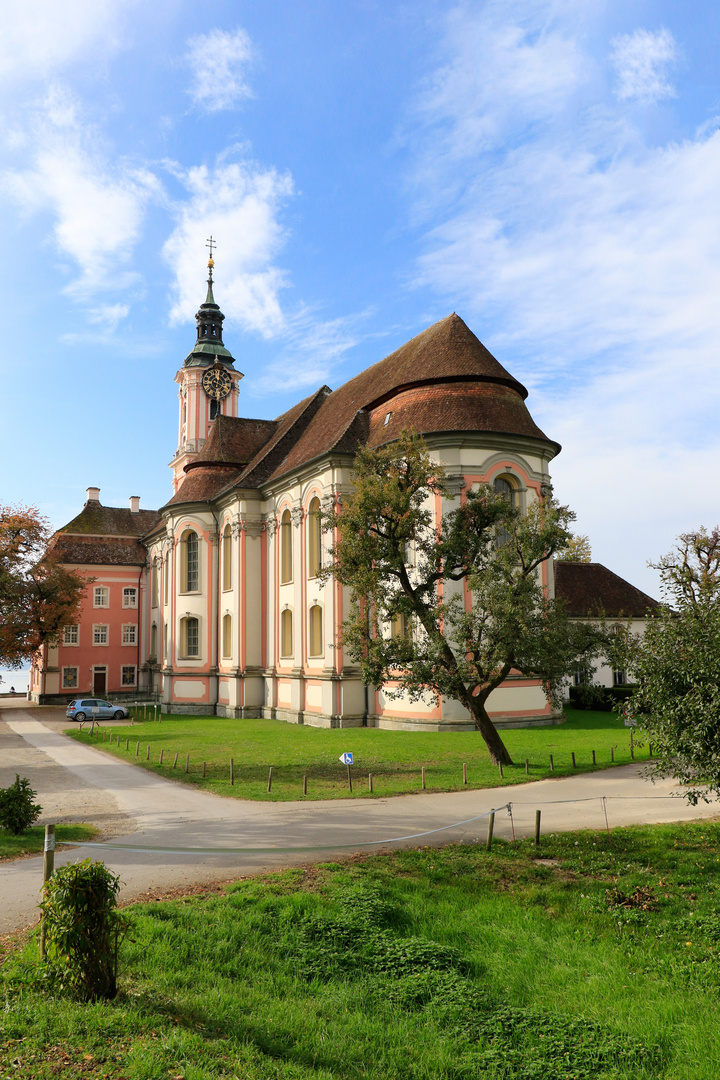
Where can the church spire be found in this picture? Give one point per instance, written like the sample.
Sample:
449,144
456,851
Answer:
209,348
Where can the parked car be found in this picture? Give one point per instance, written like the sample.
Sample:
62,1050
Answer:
95,709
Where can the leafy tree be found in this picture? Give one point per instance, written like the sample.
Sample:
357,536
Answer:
38,595
677,667
17,809
577,550
409,576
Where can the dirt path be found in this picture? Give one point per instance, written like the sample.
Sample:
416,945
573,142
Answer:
177,835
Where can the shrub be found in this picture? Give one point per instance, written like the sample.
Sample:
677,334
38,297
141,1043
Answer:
590,696
83,930
17,809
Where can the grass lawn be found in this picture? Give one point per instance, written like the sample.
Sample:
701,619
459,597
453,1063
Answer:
33,841
394,758
601,963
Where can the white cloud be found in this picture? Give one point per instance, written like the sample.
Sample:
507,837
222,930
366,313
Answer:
642,60
313,348
97,206
109,316
41,36
588,262
219,62
238,203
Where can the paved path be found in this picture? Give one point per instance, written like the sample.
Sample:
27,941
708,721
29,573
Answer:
164,816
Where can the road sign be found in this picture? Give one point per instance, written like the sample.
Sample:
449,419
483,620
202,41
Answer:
346,759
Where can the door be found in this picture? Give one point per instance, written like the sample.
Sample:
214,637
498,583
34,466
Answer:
99,680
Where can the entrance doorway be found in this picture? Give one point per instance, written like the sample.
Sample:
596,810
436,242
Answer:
99,681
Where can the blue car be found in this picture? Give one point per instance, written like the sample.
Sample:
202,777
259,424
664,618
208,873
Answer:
95,709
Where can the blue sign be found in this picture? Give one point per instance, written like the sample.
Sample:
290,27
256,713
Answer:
346,759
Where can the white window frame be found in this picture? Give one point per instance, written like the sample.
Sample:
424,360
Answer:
67,635
129,633
97,629
129,601
76,684
128,667
101,596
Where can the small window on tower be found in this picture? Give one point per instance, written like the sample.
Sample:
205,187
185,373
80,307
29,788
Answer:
214,409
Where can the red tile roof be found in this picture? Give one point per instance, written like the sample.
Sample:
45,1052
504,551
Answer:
97,520
97,551
590,589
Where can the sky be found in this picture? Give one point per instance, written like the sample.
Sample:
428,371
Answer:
550,170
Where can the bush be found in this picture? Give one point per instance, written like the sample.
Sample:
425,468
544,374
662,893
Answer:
83,930
590,696
17,809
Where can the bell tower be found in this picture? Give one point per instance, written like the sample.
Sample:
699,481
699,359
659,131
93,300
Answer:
208,381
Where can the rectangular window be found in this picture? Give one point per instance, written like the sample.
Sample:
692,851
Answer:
101,596
129,634
71,635
192,637
100,634
154,583
129,597
129,677
227,635
70,678
619,677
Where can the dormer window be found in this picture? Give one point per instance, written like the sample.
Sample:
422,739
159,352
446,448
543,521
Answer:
387,419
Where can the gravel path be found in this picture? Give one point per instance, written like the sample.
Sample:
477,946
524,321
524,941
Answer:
161,819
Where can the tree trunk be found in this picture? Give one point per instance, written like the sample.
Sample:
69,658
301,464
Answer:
499,753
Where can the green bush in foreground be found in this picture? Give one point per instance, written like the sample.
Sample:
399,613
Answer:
17,809
83,930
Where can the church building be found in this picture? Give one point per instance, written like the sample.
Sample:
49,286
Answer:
212,604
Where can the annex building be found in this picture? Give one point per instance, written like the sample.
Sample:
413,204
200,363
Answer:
212,603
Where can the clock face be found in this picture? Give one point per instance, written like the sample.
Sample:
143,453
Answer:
217,384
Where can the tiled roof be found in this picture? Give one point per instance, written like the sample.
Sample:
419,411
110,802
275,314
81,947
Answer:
204,483
473,393
590,589
93,551
235,440
97,520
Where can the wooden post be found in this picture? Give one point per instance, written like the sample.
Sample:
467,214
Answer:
175,762
537,828
204,764
232,771
594,761
527,767
650,749
147,756
612,753
162,751
137,749
552,764
370,787
464,773
127,744
423,777
270,778
305,784
48,868
573,759
187,763
632,746
349,779
501,769
491,826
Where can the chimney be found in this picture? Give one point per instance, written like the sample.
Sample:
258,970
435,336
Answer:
135,503
93,494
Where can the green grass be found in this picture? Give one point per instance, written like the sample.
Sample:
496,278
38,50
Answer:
33,840
449,963
394,758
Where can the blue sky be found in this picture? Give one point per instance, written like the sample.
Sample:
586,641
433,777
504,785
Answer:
548,170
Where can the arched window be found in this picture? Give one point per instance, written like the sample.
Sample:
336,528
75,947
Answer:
503,487
227,557
153,641
286,554
316,631
286,633
167,577
190,562
314,527
227,635
189,636
154,585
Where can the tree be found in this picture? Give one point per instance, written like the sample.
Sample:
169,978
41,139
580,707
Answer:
677,666
38,595
577,550
409,576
